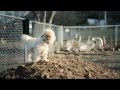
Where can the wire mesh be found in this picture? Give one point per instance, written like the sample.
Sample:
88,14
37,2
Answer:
38,28
11,54
97,31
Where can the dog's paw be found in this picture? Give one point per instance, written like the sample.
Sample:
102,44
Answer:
46,60
37,61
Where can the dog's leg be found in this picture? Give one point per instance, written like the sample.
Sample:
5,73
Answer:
29,58
36,56
45,56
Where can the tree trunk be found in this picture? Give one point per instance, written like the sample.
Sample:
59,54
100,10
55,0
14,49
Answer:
52,16
44,18
37,17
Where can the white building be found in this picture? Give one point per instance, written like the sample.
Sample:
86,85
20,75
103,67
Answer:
96,22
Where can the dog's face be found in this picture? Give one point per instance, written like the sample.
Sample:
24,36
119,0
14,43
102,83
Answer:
49,36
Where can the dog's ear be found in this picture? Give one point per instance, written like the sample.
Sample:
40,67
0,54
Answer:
43,35
47,36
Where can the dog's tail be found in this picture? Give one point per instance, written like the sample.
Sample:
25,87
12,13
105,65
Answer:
27,40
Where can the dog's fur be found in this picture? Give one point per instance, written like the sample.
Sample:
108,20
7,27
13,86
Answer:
39,46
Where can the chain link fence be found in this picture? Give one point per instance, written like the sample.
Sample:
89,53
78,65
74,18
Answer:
11,29
11,54
64,33
37,28
111,33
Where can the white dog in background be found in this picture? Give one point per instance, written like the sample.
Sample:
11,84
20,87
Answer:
39,46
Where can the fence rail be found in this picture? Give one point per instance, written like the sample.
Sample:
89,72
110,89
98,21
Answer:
90,26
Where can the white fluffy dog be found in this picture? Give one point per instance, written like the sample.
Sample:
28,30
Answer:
39,46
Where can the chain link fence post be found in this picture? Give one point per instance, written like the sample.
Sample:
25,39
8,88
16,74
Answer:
26,31
116,35
60,36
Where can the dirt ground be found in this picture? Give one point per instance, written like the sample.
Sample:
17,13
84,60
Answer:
69,66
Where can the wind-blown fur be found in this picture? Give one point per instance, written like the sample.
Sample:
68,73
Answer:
39,46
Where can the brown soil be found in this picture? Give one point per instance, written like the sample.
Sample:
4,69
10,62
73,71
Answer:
61,67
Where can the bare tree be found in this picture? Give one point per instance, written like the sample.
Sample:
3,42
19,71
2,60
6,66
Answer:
17,13
22,13
41,16
44,18
37,15
52,16
9,12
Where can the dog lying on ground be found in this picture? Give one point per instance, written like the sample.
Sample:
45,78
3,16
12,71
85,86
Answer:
39,46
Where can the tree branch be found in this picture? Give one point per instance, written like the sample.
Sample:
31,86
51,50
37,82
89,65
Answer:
52,16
